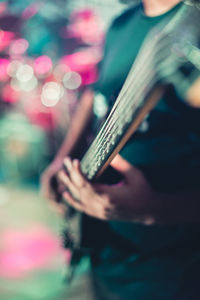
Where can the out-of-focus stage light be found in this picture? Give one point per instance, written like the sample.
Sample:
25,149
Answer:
18,47
29,85
3,69
60,70
3,7
43,65
72,80
13,67
52,92
15,85
31,10
9,94
86,26
24,73
5,39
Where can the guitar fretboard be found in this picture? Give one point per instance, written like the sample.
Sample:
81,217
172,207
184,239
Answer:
154,62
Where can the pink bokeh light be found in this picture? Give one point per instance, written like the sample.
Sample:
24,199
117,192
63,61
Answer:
40,115
84,62
26,251
3,69
31,10
5,39
43,65
86,26
3,7
18,47
9,95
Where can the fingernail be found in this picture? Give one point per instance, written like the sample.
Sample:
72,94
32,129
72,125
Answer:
76,162
67,162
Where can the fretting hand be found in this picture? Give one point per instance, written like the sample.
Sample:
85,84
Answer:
128,201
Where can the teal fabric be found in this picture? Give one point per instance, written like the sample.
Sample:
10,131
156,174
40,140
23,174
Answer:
157,261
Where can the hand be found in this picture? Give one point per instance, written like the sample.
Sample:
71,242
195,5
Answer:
131,200
47,190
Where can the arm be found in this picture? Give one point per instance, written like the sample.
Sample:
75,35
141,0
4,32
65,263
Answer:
133,201
79,122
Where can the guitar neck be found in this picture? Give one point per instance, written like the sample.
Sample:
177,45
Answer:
101,152
140,93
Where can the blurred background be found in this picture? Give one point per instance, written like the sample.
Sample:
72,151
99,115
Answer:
48,56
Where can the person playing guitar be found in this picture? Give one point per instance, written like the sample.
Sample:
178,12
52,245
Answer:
146,228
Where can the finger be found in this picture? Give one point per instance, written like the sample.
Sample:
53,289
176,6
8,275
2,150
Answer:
71,201
127,169
120,164
73,168
77,176
73,171
68,183
67,163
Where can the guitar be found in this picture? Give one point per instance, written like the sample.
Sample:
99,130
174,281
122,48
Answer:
166,49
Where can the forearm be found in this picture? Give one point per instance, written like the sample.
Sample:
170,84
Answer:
78,123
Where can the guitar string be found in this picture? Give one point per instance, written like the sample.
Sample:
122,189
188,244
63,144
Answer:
120,105
99,144
124,105
122,94
114,118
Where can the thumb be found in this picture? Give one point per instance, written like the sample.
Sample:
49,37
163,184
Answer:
120,164
128,170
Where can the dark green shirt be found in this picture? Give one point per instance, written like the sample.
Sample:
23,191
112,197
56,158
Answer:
156,259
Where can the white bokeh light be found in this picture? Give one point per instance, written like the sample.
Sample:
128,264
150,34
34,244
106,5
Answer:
15,84
24,73
72,80
29,85
13,67
52,92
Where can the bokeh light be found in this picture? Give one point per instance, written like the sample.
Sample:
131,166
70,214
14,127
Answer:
43,65
5,39
29,85
3,69
9,94
18,47
12,68
86,26
60,70
31,10
24,73
49,51
72,80
52,92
